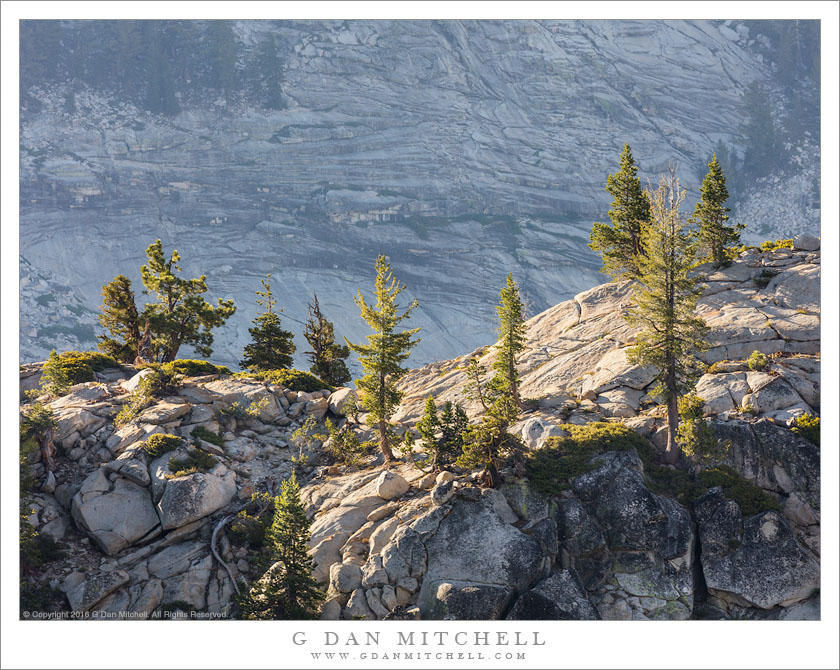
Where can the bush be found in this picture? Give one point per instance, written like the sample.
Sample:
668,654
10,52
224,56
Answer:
207,435
250,525
757,361
61,371
159,444
551,468
194,368
294,380
159,383
807,426
695,434
343,445
716,368
751,498
196,461
770,245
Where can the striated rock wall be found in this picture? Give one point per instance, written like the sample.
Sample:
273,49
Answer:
463,150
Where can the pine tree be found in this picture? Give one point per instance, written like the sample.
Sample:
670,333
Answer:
451,424
287,590
427,428
620,244
487,442
327,356
271,347
180,315
664,304
387,348
713,235
511,331
120,317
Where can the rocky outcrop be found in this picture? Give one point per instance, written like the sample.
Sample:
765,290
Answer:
754,562
575,363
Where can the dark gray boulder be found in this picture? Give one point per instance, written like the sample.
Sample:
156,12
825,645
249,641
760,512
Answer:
755,562
559,597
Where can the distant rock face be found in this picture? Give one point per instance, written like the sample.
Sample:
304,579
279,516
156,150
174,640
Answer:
440,143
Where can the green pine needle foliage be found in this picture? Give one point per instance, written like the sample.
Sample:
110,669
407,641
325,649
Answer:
620,242
387,349
271,347
713,235
287,589
327,357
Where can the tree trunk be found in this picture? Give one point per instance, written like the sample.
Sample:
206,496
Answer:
45,442
672,450
383,441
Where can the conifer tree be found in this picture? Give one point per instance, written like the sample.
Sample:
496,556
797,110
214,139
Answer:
287,590
120,317
180,314
386,350
486,442
451,424
271,347
327,356
710,215
665,300
620,244
511,331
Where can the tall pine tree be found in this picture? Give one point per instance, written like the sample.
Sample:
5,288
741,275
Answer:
119,316
385,352
710,216
620,244
488,441
327,356
287,590
664,305
271,347
511,331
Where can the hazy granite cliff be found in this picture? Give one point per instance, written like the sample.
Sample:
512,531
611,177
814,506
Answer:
463,150
143,534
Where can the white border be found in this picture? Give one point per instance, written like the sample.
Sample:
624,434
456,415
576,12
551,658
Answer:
570,644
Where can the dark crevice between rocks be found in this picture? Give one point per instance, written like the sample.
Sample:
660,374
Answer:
701,591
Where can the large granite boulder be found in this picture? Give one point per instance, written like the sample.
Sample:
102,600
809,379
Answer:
558,597
473,545
754,562
186,499
115,514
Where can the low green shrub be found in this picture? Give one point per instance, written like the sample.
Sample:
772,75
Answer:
294,380
196,461
250,525
771,245
61,371
751,498
757,361
551,469
160,443
158,384
716,368
344,445
807,426
207,435
695,433
194,368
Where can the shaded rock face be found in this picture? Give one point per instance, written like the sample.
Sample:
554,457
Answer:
774,458
558,597
632,549
193,497
752,562
354,177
